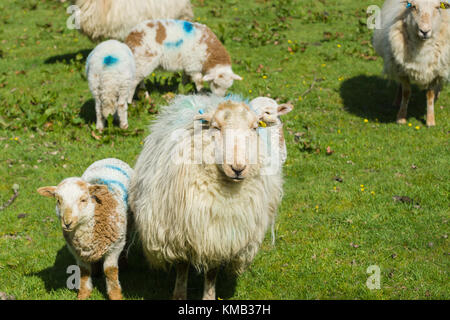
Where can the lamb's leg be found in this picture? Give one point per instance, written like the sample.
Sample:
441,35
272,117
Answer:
406,94
198,80
98,112
209,289
85,281
398,97
122,109
180,291
431,94
111,269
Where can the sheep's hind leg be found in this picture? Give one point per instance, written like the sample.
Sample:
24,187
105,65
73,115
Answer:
111,269
180,291
398,97
406,94
122,109
431,94
209,289
85,281
98,112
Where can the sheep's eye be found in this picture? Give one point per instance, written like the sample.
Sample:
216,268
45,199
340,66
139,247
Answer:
84,200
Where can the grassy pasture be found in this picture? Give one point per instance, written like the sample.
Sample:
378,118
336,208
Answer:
338,216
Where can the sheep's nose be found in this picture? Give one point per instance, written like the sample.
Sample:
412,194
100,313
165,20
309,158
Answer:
238,169
425,33
67,225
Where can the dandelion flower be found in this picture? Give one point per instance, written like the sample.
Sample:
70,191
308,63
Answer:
417,127
264,77
339,46
409,124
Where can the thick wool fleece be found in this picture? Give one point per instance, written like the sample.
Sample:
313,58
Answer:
191,212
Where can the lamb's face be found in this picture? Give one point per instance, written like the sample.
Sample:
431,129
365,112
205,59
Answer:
221,78
424,18
269,111
234,126
73,202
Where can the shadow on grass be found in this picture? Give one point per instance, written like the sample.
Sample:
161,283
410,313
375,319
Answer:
87,112
371,97
68,57
137,279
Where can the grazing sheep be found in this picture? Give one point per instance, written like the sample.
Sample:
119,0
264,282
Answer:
113,19
93,213
209,207
110,70
269,112
414,41
176,45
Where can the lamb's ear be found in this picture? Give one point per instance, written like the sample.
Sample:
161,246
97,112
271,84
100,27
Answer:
234,76
208,77
48,192
285,108
97,189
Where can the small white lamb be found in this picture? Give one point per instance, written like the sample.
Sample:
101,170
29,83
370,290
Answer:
177,45
93,212
110,69
269,112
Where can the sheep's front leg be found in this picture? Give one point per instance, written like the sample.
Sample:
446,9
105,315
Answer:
398,97
85,281
198,80
111,269
98,112
209,289
180,291
406,94
431,95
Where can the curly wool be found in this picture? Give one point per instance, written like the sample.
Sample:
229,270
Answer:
422,62
113,19
190,212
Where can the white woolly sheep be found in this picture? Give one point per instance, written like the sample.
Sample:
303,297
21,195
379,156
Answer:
110,70
93,213
177,45
414,41
113,19
207,208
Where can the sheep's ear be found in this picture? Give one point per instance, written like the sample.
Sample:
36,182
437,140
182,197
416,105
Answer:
206,117
48,192
236,77
208,77
285,108
98,189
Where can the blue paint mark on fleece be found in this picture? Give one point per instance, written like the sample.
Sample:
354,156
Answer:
172,45
110,60
109,166
108,183
188,27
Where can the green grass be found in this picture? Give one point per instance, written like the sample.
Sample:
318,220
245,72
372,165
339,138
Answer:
316,54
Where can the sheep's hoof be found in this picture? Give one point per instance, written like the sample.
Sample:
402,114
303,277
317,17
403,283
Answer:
431,124
83,294
401,121
115,295
124,126
179,296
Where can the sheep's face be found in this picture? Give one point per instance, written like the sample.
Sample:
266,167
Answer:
235,136
424,18
221,78
73,202
268,109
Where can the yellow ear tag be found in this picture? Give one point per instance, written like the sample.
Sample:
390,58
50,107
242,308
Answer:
262,124
445,5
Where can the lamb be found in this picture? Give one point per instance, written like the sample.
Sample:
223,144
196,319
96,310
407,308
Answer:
414,41
110,70
177,45
113,19
93,213
269,112
207,208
